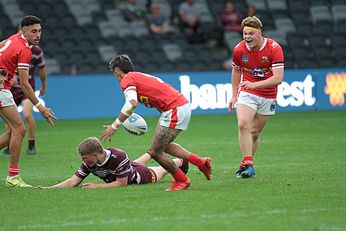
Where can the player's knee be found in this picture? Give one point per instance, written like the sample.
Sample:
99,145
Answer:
19,130
27,116
243,125
255,133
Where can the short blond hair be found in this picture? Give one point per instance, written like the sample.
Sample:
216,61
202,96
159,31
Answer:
89,146
252,21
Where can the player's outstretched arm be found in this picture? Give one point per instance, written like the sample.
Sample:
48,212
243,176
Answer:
71,182
47,113
128,108
119,182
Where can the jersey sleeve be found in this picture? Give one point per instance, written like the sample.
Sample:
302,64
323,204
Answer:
277,56
83,171
24,58
236,58
128,82
123,168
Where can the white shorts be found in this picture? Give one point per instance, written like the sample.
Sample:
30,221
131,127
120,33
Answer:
261,105
177,118
6,98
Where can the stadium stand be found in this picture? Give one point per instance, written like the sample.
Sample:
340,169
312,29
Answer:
85,34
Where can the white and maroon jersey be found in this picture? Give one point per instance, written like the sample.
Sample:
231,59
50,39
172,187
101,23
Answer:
152,91
117,165
258,65
15,53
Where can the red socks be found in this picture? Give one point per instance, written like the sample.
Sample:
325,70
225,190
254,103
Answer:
247,160
195,160
179,176
13,170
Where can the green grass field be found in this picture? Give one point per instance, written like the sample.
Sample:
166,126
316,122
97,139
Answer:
300,183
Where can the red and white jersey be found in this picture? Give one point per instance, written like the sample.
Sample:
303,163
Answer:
15,53
152,91
258,65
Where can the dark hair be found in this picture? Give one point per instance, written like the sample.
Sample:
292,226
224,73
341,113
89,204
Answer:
123,62
30,20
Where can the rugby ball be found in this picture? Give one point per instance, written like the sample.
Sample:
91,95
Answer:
135,125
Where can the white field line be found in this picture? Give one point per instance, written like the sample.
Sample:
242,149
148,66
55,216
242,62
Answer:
186,218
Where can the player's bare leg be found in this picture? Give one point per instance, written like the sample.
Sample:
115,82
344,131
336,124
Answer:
161,172
204,164
143,159
245,115
31,125
257,126
162,137
10,115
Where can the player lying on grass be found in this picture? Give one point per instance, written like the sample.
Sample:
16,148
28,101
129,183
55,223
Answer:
113,166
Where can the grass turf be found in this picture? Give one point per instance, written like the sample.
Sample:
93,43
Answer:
300,183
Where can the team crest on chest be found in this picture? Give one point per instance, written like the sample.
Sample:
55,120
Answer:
245,58
265,59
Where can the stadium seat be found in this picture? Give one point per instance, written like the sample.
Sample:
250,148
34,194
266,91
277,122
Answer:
342,63
326,62
305,26
259,4
320,13
277,5
324,26
52,66
338,12
296,39
232,39
107,52
285,24
278,36
172,51
338,39
318,39
307,63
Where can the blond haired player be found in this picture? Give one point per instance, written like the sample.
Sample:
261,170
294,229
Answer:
257,70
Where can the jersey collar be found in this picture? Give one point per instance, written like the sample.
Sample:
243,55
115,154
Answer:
108,154
263,44
26,41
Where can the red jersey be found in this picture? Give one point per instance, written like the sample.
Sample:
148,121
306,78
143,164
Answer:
257,65
152,91
14,53
37,60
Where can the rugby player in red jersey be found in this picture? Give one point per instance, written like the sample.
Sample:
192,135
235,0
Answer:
257,70
37,61
113,166
15,54
175,117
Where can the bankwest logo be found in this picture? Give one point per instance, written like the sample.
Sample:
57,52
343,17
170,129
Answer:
336,88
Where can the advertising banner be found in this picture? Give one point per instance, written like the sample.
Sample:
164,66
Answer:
100,96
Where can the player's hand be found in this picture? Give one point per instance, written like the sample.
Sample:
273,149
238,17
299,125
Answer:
43,90
107,133
247,85
49,115
231,104
90,185
13,81
43,187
